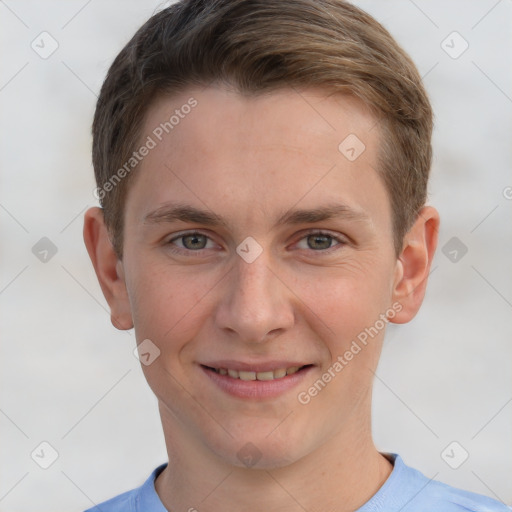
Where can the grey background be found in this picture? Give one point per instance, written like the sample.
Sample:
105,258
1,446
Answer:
69,378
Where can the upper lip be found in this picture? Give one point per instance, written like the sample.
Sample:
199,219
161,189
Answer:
261,366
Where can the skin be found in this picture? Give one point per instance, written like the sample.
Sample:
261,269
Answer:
249,160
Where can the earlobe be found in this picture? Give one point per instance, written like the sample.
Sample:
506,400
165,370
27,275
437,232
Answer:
414,263
108,268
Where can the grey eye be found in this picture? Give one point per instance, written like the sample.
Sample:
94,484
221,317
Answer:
319,242
194,241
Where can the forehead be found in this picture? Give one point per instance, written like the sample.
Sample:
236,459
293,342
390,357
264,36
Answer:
258,154
275,117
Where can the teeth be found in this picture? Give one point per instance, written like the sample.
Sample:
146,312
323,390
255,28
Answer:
265,375
279,373
248,375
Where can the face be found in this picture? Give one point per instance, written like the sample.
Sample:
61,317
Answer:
254,245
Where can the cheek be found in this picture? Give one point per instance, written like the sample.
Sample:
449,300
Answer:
346,313
346,300
166,304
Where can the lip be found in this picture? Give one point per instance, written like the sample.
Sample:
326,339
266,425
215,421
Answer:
255,389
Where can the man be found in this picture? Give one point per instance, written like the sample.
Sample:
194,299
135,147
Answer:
262,169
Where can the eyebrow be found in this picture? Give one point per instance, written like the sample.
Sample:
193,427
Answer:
171,212
330,211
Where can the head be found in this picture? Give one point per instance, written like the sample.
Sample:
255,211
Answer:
257,47
262,169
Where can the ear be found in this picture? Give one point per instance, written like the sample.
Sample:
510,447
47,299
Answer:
413,264
108,267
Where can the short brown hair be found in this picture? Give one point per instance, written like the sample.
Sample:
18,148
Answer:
259,46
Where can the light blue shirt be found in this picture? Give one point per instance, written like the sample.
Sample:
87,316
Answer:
405,490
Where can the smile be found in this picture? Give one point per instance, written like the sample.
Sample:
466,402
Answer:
253,375
243,380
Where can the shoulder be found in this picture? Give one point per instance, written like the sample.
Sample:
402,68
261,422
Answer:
424,495
141,499
457,500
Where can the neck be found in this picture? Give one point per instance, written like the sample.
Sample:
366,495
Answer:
340,475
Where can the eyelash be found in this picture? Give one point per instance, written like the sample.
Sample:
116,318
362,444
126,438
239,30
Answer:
340,242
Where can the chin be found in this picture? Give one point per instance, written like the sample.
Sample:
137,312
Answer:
250,456
261,451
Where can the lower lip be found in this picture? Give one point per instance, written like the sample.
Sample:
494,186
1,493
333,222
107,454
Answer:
256,389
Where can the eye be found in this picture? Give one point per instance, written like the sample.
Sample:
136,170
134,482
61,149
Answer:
319,241
192,242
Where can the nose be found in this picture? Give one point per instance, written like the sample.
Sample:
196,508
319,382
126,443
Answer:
256,305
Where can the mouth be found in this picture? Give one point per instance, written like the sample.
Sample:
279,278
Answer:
248,375
255,383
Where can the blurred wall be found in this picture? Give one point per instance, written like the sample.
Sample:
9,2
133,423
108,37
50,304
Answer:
71,380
